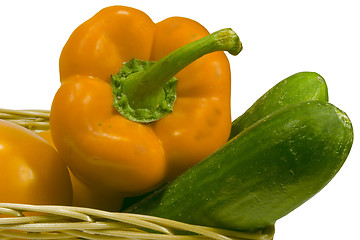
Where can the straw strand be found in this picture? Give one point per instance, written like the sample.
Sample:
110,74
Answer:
64,222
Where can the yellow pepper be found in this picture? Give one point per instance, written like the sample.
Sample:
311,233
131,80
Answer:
128,125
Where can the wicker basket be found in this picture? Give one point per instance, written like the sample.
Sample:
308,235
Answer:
66,222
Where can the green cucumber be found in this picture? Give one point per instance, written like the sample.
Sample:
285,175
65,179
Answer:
300,87
262,174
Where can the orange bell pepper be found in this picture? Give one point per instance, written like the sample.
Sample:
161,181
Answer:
84,195
130,136
31,172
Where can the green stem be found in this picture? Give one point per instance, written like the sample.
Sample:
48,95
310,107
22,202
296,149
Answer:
145,89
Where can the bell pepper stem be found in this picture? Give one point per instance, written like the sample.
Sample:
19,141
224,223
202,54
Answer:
145,89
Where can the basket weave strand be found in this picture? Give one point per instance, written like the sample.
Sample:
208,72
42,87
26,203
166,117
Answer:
67,222
35,120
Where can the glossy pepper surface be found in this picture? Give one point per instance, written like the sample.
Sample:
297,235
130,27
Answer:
84,195
107,150
32,172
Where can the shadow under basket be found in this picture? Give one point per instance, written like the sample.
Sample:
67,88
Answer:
22,221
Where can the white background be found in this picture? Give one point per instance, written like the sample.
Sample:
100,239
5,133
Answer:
280,38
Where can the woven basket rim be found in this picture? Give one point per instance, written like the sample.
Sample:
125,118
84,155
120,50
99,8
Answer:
33,119
64,222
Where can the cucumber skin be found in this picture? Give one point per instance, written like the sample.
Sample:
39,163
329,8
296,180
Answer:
299,87
261,175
